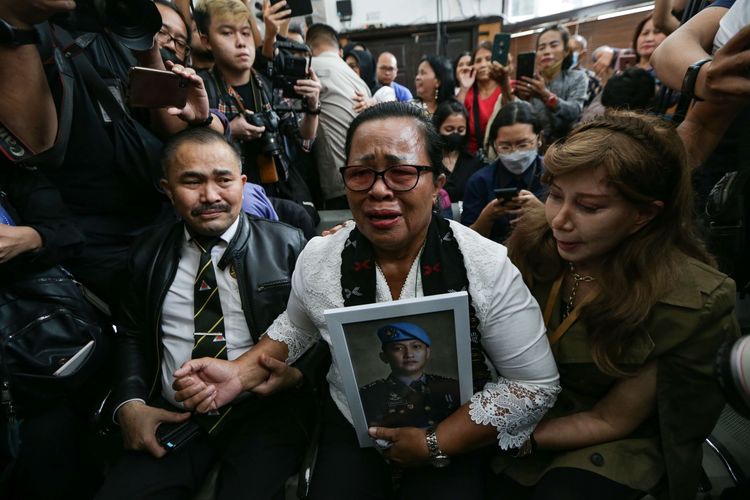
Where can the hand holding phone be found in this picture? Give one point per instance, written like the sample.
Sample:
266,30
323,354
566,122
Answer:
297,7
525,65
505,195
172,436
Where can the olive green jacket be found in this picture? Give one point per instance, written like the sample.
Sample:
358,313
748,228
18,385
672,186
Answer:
684,329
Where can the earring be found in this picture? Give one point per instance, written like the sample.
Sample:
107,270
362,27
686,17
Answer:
437,93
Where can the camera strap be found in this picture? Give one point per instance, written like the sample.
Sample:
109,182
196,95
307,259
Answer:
232,99
94,83
11,146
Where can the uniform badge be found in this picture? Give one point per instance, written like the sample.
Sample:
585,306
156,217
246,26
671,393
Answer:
232,271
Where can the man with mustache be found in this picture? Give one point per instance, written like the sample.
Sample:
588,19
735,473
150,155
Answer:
207,286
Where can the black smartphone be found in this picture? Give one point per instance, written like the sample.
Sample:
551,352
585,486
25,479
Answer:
500,48
172,436
506,194
298,7
153,88
525,65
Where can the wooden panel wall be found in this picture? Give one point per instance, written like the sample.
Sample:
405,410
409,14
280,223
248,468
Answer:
616,32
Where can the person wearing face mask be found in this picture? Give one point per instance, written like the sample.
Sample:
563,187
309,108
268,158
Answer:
515,138
578,52
451,122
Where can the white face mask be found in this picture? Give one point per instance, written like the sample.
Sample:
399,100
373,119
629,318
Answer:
518,161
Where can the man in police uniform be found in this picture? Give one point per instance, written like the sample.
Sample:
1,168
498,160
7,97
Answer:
408,397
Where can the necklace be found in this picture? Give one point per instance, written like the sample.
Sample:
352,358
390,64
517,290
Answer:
577,279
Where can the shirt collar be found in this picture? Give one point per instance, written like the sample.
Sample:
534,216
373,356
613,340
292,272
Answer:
226,236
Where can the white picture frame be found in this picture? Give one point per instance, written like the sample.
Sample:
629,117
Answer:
358,350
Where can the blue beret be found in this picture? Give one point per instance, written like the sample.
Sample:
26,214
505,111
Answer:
396,332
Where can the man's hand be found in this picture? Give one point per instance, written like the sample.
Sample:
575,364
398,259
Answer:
362,102
309,89
409,446
275,17
139,422
25,14
15,240
727,77
196,109
243,131
207,384
281,376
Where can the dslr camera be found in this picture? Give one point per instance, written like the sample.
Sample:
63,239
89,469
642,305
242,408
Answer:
292,63
270,140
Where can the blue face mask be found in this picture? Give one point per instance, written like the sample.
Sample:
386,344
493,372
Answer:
518,162
574,59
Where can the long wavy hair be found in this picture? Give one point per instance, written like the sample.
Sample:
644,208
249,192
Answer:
644,161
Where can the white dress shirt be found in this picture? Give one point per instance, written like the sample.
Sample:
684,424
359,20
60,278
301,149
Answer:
178,310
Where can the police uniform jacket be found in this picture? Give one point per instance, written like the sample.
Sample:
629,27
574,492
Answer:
685,330
391,403
262,254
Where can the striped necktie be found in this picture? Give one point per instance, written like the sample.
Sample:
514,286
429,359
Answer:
208,321
209,318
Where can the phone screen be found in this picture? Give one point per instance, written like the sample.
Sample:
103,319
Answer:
500,48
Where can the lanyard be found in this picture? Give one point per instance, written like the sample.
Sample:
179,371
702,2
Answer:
236,97
563,327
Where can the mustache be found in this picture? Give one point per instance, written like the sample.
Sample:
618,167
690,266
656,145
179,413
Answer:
220,207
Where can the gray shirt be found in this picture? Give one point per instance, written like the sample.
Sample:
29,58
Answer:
339,84
570,87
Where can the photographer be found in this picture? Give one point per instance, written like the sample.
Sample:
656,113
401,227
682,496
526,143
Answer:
265,137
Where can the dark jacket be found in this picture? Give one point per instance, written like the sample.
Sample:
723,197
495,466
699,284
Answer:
263,254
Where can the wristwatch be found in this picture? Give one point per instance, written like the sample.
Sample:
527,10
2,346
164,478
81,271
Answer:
691,77
17,36
316,110
437,457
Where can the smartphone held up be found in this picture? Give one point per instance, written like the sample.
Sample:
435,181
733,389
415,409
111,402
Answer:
152,88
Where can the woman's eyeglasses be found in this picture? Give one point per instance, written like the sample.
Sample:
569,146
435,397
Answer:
397,177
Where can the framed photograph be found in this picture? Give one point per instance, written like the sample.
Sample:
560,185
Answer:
405,363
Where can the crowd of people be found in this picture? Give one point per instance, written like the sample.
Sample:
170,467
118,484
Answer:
568,204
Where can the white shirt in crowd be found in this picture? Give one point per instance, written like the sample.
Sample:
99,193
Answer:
736,18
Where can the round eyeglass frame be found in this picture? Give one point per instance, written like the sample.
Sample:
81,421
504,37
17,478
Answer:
382,174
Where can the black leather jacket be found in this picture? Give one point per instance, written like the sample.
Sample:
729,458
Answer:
263,254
